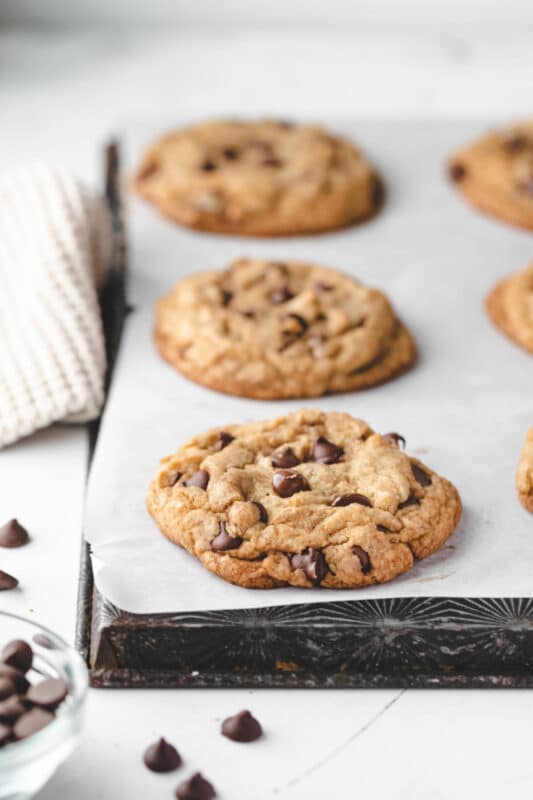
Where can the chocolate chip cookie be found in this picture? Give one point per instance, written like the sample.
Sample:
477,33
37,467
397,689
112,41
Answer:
262,178
268,329
510,307
524,475
495,173
309,499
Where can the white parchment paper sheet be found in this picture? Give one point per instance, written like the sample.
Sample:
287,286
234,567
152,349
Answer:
464,409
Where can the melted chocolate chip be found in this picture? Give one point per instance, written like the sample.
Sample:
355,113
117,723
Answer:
326,452
224,438
18,654
412,500
457,171
196,788
287,482
225,297
281,295
382,528
161,756
200,479
241,728
263,516
420,476
363,557
31,722
208,166
354,497
230,153
394,438
12,534
284,457
7,581
224,540
312,562
49,693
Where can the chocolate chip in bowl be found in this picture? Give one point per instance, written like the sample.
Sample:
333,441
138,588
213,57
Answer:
43,684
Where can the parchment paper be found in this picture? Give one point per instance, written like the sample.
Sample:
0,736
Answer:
464,409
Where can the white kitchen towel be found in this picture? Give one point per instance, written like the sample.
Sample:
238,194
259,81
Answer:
54,244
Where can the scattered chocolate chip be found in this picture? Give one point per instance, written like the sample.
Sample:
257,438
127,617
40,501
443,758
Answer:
394,438
457,171
15,675
363,557
7,581
514,141
420,476
5,733
326,452
12,534
284,457
412,500
7,687
44,641
49,693
31,722
271,162
224,540
225,297
11,709
382,528
287,482
161,756
196,788
281,295
242,727
263,516
321,287
312,562
230,153
208,166
199,479
170,478
18,654
224,438
349,499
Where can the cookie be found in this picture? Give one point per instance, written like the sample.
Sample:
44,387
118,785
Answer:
510,307
309,499
495,174
265,329
262,178
524,475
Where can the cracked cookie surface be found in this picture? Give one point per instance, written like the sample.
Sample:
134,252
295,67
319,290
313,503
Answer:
262,178
273,330
524,475
495,173
309,499
510,307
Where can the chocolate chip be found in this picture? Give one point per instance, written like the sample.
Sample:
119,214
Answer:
263,516
242,727
363,557
11,709
32,722
412,500
224,438
7,687
250,314
196,788
18,654
281,295
49,693
230,153
514,141
208,166
225,297
284,457
312,562
382,528
224,540
161,756
7,581
300,322
271,162
326,452
394,438
321,287
12,534
199,479
5,734
287,482
15,675
349,499
420,476
457,171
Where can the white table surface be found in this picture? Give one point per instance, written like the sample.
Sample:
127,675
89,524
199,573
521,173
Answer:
60,93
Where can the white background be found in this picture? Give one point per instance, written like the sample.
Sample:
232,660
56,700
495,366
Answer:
62,89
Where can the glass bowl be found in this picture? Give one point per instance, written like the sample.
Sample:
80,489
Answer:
27,765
